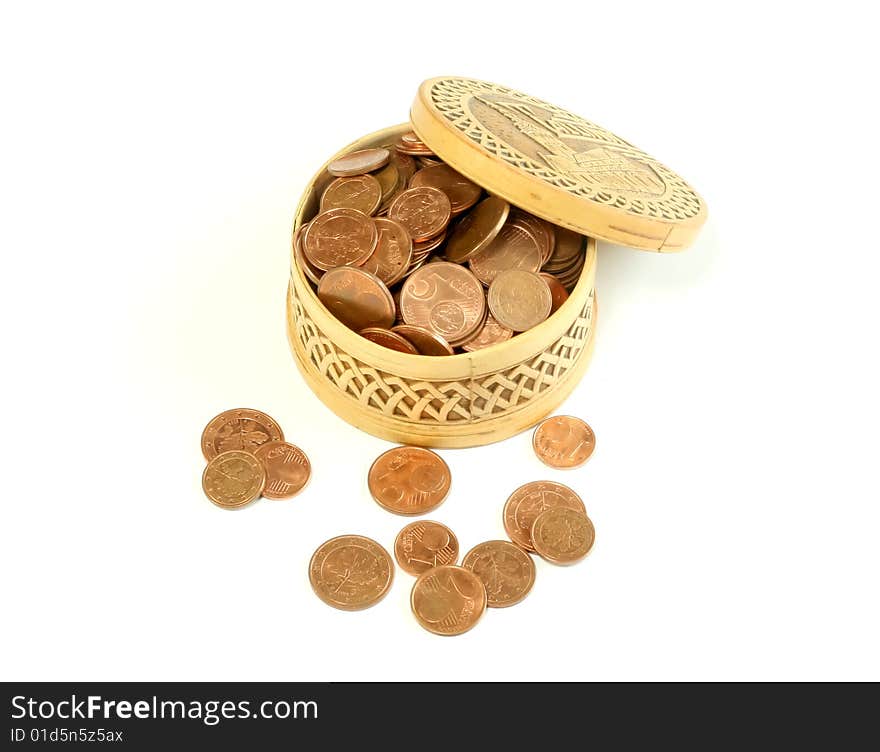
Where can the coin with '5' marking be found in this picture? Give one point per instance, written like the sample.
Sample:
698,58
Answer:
287,469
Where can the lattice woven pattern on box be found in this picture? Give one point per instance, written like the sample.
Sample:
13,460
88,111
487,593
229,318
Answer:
441,402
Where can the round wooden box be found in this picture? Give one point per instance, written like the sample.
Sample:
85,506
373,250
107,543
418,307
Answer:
547,162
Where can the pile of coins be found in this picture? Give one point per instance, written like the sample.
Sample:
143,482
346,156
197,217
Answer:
352,572
413,256
248,458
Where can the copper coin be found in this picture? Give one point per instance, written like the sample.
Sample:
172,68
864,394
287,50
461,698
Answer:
477,229
313,273
241,428
424,212
490,334
389,339
406,167
515,247
357,298
410,143
562,536
528,501
351,572
460,191
542,230
444,298
409,480
424,340
389,179
558,293
568,245
563,441
393,254
287,469
339,237
506,571
423,545
233,479
359,162
519,300
361,192
448,600
421,250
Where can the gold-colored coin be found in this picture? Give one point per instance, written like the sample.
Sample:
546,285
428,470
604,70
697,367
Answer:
361,192
460,191
529,500
448,600
558,293
519,300
506,571
562,536
359,162
409,480
423,545
477,229
287,469
424,212
357,298
563,441
424,340
515,247
389,339
490,334
393,254
241,428
389,179
233,479
351,572
340,237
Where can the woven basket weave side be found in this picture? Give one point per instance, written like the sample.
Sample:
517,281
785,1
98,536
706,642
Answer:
438,403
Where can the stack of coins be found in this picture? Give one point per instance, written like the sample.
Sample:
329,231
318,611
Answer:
543,517
248,458
416,258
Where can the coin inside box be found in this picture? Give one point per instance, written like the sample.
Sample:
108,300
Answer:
544,161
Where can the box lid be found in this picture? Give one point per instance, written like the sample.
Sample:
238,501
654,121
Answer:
556,165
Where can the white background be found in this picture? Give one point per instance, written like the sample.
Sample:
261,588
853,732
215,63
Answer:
152,155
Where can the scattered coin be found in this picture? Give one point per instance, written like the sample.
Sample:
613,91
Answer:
506,571
477,230
351,572
528,501
389,339
424,340
357,298
448,600
424,212
423,545
562,536
445,299
359,162
287,469
393,254
361,192
242,429
339,237
563,441
409,480
233,479
460,191
519,299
